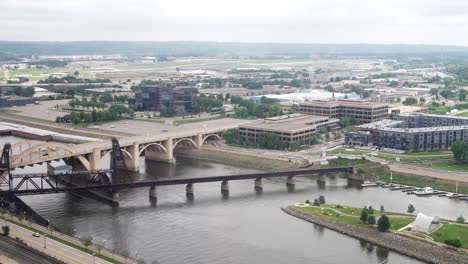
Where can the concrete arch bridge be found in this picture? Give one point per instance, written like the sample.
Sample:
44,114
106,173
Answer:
89,156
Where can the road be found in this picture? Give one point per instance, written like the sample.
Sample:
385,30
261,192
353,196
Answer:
54,248
10,252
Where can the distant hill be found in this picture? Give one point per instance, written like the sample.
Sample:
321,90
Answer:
181,48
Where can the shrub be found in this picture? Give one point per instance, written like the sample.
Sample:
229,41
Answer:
371,210
364,215
460,219
411,209
339,206
307,201
316,202
6,230
371,220
453,242
383,224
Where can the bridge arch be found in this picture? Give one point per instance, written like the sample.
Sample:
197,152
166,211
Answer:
19,147
184,139
210,135
152,144
123,151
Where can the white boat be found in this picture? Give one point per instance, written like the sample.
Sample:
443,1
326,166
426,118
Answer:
425,190
449,194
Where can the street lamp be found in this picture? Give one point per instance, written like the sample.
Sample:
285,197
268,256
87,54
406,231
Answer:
45,243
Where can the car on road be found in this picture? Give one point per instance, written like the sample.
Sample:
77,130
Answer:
35,234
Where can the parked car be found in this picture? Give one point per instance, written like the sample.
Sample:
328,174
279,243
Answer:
35,234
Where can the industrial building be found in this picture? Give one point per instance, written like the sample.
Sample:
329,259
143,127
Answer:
411,132
9,101
289,128
362,111
157,98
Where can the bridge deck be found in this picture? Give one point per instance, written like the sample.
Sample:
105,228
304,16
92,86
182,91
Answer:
179,181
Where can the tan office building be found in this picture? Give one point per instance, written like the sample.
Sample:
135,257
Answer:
289,128
362,111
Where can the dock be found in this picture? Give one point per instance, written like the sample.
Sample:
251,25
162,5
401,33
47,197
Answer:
430,193
460,196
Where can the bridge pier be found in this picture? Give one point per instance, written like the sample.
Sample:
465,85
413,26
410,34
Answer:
152,192
133,163
290,181
225,186
115,197
258,184
199,140
322,178
95,160
189,190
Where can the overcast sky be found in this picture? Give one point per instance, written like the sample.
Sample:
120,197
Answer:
287,21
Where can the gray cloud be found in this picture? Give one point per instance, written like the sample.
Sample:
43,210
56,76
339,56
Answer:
298,21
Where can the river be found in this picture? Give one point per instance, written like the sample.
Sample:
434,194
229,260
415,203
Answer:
245,227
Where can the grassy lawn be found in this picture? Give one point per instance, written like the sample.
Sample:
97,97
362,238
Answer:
151,120
406,157
345,162
399,222
195,120
452,231
446,166
73,245
328,211
465,114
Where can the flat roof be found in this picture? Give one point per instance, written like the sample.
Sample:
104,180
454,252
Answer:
381,124
424,129
433,115
288,123
352,103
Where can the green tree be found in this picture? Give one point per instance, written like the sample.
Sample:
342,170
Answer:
321,199
422,100
236,99
434,91
383,224
410,101
6,230
364,214
316,202
87,241
460,151
460,219
411,209
230,136
242,112
393,83
382,209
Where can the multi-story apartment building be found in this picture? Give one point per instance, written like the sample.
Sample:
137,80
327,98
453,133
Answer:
289,128
362,111
412,132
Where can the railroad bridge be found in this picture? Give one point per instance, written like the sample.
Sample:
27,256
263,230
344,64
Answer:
88,156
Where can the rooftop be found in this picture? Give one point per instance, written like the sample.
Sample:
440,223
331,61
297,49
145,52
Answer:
288,123
353,103
385,123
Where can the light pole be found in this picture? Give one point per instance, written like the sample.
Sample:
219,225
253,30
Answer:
45,243
94,258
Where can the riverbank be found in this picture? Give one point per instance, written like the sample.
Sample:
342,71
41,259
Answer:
247,160
418,249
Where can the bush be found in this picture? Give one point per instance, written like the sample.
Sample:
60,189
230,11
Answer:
460,219
371,210
453,242
307,201
411,209
6,230
371,220
383,224
316,202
